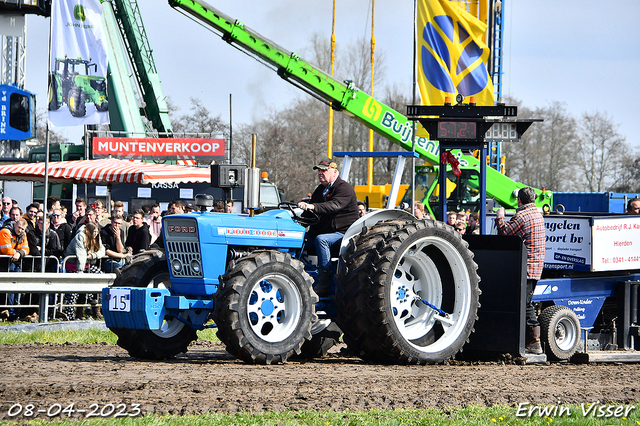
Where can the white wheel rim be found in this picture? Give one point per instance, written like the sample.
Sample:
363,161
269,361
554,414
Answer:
171,327
415,276
274,308
565,334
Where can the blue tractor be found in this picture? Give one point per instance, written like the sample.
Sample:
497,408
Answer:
406,291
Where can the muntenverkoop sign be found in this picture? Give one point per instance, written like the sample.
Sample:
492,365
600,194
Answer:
159,148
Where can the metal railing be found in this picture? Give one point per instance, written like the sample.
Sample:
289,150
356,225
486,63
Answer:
30,281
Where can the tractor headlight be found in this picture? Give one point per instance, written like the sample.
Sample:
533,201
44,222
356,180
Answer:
176,265
195,266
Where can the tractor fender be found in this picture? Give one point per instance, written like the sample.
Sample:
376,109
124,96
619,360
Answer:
371,219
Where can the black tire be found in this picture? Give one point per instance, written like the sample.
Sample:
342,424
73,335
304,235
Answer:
387,271
53,94
321,342
559,332
77,105
287,299
150,269
102,107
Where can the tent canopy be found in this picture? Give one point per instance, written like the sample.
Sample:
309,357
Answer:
105,171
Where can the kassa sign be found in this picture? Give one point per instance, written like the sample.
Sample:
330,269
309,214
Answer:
163,148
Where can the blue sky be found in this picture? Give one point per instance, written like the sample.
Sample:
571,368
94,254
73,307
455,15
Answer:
585,54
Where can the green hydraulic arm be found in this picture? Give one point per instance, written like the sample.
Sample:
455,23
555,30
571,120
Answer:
344,97
124,112
123,18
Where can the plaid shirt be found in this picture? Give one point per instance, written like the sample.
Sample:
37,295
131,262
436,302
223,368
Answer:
527,224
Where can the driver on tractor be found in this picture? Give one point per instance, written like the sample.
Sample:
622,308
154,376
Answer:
336,204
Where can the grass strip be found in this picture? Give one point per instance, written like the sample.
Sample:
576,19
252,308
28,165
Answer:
472,415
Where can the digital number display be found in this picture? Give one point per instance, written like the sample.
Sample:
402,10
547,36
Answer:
502,132
465,130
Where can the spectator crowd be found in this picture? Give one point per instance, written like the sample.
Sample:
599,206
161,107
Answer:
87,240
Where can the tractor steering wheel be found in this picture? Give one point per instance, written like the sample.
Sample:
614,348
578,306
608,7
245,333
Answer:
303,220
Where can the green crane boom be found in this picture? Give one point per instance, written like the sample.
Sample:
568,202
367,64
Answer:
342,97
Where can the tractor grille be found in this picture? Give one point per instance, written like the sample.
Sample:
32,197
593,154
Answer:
183,247
187,253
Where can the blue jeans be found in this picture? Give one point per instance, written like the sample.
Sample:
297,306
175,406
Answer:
110,265
14,298
324,243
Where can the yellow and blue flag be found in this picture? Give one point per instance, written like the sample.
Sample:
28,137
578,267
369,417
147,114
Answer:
451,55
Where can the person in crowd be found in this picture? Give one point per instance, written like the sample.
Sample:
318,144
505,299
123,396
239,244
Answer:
418,210
89,217
15,213
6,207
460,227
633,206
461,216
229,206
139,237
118,208
155,222
528,224
336,204
473,226
189,207
53,203
451,218
13,242
101,212
176,207
362,209
52,241
219,206
78,215
113,239
64,231
88,250
30,216
63,214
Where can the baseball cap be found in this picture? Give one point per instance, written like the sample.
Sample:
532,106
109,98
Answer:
325,164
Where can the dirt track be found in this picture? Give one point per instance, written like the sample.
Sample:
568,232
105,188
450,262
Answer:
208,379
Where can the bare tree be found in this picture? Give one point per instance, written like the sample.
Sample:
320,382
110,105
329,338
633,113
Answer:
602,151
199,120
544,156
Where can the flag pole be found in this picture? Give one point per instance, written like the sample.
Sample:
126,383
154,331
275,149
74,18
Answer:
333,56
373,49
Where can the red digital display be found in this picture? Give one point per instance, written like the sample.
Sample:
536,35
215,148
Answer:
465,130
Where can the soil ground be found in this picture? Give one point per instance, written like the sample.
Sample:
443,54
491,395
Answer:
208,379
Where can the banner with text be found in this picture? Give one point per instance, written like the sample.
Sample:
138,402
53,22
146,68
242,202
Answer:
159,148
615,243
78,69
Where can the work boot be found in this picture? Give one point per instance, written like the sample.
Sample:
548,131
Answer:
533,337
79,313
322,286
96,312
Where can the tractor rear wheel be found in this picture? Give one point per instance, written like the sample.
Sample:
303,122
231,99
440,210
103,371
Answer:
408,292
150,270
265,307
77,105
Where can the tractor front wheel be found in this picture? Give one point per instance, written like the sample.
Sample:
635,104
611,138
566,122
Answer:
150,270
77,105
265,307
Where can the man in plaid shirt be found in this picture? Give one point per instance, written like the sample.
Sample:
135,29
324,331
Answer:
528,224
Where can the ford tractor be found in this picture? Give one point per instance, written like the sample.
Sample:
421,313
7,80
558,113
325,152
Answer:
405,291
71,84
